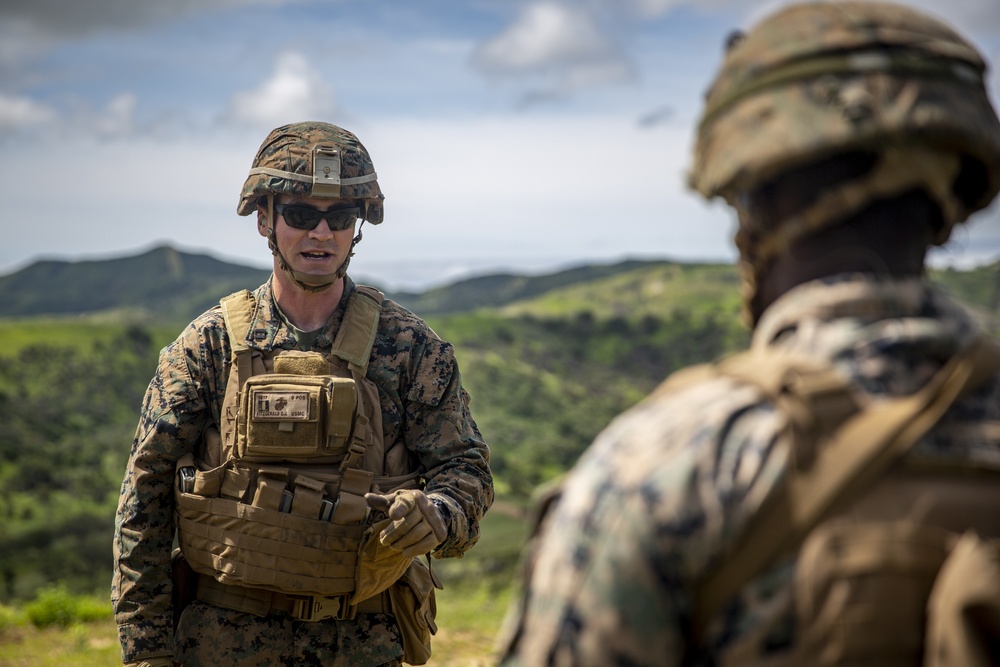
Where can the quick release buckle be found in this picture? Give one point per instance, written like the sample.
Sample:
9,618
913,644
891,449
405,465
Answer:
319,607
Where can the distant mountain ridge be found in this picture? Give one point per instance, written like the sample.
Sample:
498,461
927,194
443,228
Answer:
163,281
500,289
167,284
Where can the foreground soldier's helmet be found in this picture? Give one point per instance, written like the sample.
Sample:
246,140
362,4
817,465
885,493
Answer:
814,80
316,160
312,159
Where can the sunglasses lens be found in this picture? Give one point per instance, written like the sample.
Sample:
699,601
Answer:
307,217
300,217
342,219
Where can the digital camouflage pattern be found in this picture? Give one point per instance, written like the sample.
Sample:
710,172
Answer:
289,148
423,404
668,485
815,78
210,636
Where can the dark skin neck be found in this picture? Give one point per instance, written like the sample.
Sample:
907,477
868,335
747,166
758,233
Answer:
889,239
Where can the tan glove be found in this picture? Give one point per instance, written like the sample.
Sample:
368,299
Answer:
417,524
159,661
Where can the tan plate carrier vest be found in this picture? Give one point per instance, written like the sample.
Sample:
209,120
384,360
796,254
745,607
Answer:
268,512
896,564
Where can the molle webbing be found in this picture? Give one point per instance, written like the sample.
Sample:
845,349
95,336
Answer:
252,546
263,523
246,540
854,456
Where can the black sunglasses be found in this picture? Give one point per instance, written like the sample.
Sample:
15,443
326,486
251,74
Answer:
305,217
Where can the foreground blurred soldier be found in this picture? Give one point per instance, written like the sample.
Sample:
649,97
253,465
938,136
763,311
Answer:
806,502
306,442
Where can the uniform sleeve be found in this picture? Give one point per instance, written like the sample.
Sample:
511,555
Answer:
172,419
453,456
648,509
598,589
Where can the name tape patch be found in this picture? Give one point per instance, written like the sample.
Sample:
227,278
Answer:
284,405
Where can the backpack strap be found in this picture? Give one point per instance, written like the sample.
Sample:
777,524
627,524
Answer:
356,334
237,311
855,455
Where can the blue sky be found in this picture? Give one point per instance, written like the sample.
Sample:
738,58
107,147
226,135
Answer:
507,134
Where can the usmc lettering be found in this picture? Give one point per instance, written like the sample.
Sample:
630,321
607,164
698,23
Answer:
284,405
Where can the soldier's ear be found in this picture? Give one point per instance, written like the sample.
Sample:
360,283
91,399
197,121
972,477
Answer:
262,226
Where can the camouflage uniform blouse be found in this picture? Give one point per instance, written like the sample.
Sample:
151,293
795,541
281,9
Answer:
423,403
664,489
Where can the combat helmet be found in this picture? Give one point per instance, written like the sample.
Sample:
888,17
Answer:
313,159
818,79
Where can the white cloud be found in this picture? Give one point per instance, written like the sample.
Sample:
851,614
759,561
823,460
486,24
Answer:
523,188
30,120
118,119
461,197
565,45
545,33
572,45
19,113
295,91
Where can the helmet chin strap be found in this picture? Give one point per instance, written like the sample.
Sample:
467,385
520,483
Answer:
306,281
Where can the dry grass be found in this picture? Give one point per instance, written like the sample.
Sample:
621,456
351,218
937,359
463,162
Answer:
468,624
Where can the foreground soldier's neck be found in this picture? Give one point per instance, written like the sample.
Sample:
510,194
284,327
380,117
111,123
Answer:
307,310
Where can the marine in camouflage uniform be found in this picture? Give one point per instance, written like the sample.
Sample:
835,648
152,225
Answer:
616,571
422,404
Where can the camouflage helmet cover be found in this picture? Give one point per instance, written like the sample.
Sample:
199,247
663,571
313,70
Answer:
313,159
824,77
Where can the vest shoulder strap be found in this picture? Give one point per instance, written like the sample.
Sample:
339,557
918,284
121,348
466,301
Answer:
356,335
856,453
354,339
237,310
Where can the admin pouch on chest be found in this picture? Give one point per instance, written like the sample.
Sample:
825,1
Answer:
291,417
896,563
274,517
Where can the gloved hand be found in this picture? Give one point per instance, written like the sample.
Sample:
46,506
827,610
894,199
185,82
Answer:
159,661
417,524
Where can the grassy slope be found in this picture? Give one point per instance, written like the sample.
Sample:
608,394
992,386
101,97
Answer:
76,332
470,613
657,290
516,339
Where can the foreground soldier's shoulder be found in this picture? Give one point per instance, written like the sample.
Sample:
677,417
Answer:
398,321
211,318
210,324
205,333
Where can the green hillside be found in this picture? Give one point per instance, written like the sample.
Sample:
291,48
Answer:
659,289
542,384
162,283
166,285
978,288
548,360
494,290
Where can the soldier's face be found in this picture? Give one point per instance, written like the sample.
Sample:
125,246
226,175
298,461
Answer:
318,251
